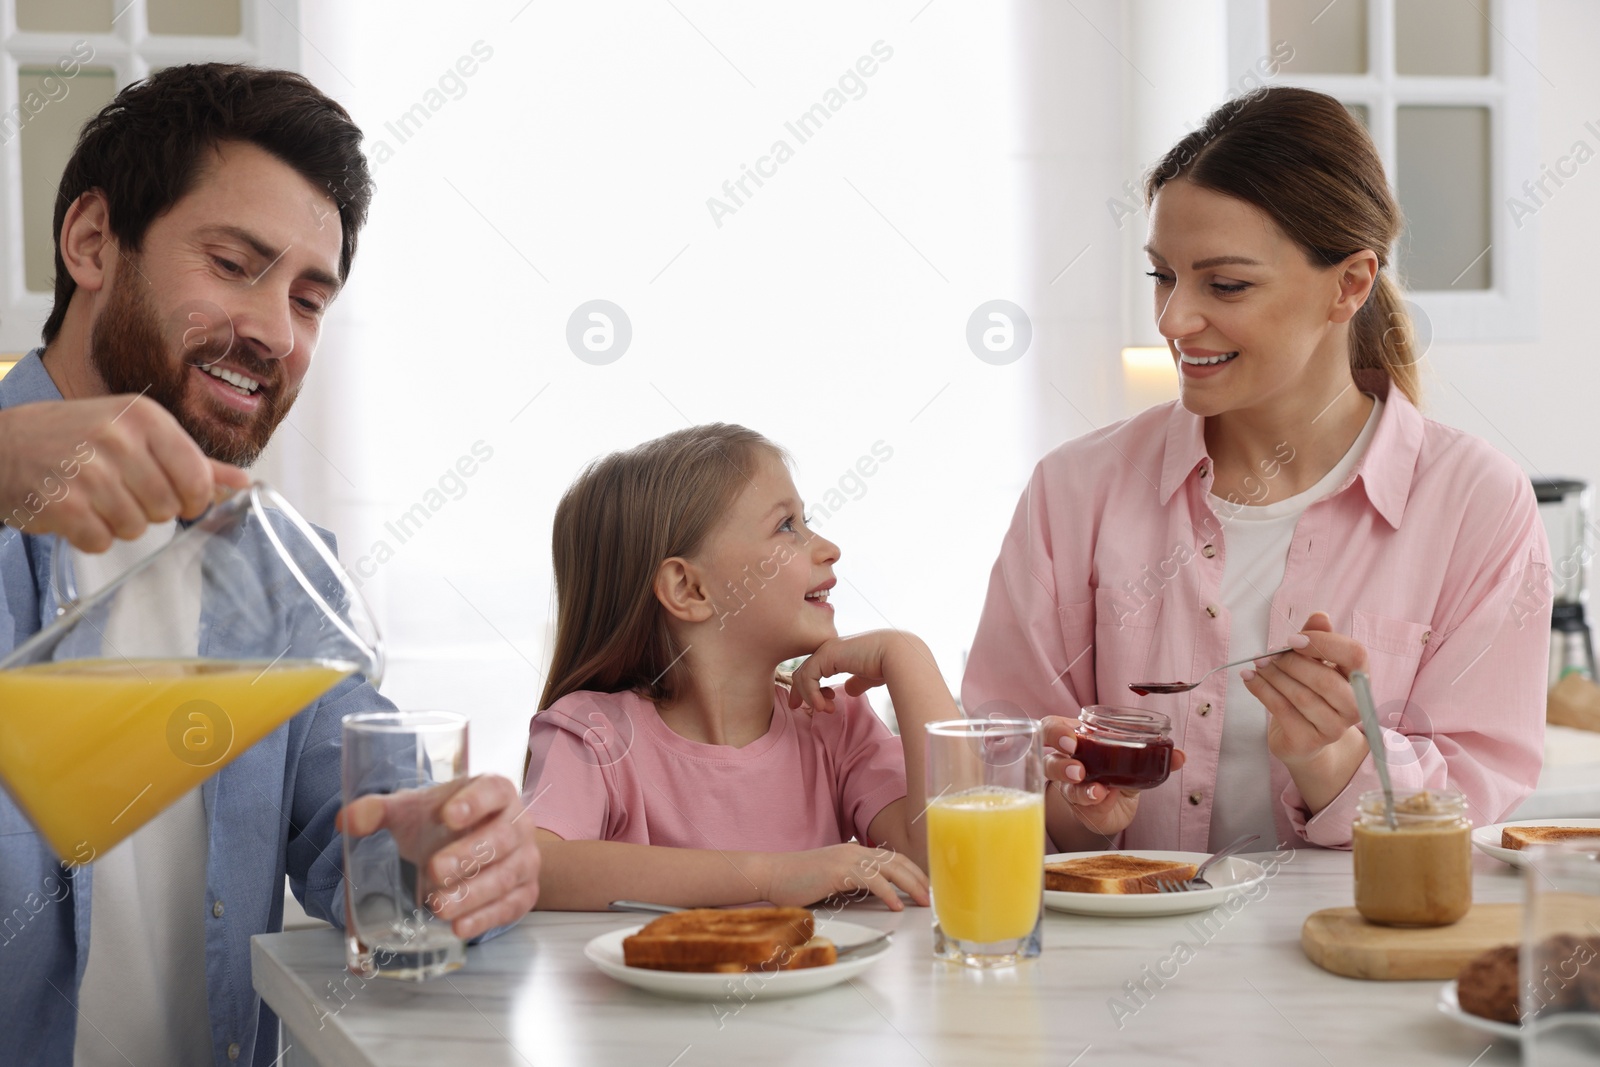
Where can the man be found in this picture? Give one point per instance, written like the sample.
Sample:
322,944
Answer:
205,222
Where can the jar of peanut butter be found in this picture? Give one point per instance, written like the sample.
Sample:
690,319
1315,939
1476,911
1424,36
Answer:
1418,873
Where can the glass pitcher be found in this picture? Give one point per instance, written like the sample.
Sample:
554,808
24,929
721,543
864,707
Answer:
146,687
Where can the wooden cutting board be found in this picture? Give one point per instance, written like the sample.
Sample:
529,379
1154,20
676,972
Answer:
1341,941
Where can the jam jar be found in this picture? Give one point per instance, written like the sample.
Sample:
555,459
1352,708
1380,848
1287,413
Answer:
1418,873
1124,747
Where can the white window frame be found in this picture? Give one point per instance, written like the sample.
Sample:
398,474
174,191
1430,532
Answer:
269,36
1509,309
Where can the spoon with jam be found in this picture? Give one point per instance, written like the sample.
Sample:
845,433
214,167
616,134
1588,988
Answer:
1145,689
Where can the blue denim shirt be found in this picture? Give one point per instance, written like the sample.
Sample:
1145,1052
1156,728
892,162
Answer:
268,813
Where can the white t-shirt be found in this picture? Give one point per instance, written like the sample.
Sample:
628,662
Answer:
1257,541
143,997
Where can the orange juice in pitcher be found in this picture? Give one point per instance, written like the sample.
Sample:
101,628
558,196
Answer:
92,749
151,683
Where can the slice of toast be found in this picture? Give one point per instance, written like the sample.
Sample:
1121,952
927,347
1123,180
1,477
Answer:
1114,873
818,952
731,940
1520,837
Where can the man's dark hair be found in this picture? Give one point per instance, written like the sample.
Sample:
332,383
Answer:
147,147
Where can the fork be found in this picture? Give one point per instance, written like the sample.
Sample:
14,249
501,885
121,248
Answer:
642,905
1179,885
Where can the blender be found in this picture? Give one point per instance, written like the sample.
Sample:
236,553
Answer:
1564,506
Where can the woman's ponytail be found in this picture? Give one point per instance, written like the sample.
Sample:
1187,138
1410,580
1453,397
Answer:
1383,338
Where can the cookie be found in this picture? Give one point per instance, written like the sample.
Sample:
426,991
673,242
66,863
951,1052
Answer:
1558,968
1589,974
1487,985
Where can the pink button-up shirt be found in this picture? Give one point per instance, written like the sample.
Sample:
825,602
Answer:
1431,554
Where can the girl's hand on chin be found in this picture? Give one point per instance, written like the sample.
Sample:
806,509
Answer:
865,657
801,878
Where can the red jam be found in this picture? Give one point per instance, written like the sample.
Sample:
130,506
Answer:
1128,765
1129,748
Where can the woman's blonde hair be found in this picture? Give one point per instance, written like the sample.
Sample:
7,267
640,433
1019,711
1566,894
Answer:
1303,159
626,514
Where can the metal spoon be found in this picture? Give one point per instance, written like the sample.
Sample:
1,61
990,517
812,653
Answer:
1380,755
1145,689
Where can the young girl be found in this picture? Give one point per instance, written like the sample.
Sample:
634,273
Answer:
669,761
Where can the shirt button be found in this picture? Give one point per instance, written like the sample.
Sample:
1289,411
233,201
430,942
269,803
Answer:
1205,709
1211,611
216,909
1209,551
233,1051
1205,471
1194,798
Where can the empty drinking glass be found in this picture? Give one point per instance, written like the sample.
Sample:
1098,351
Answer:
418,759
1560,961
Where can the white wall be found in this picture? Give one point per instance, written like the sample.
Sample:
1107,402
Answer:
1536,401
591,140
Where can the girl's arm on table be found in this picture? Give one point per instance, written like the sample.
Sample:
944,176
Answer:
588,875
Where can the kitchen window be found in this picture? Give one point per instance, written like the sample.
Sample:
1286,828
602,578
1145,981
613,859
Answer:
63,60
1449,91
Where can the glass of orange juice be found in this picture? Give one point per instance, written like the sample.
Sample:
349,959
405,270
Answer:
986,842
170,656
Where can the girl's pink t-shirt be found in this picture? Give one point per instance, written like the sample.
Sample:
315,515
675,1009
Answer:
605,767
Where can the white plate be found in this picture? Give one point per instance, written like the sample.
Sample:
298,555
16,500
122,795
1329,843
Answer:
1487,838
1227,876
1449,1005
605,952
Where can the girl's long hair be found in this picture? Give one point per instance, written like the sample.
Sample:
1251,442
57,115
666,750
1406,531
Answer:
1303,159
625,515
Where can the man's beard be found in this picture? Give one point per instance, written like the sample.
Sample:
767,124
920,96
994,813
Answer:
128,351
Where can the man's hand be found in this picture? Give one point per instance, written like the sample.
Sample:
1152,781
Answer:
482,867
95,470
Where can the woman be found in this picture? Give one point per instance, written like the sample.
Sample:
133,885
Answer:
1292,496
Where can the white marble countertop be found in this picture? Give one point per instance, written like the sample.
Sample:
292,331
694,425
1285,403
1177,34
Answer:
1569,782
1248,995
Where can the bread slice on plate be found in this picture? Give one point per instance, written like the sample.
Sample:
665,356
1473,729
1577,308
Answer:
729,940
1520,837
1113,873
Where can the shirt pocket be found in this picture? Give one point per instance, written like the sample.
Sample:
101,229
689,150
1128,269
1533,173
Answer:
1394,650
1123,642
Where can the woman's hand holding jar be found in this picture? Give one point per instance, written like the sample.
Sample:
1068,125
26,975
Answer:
1100,809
